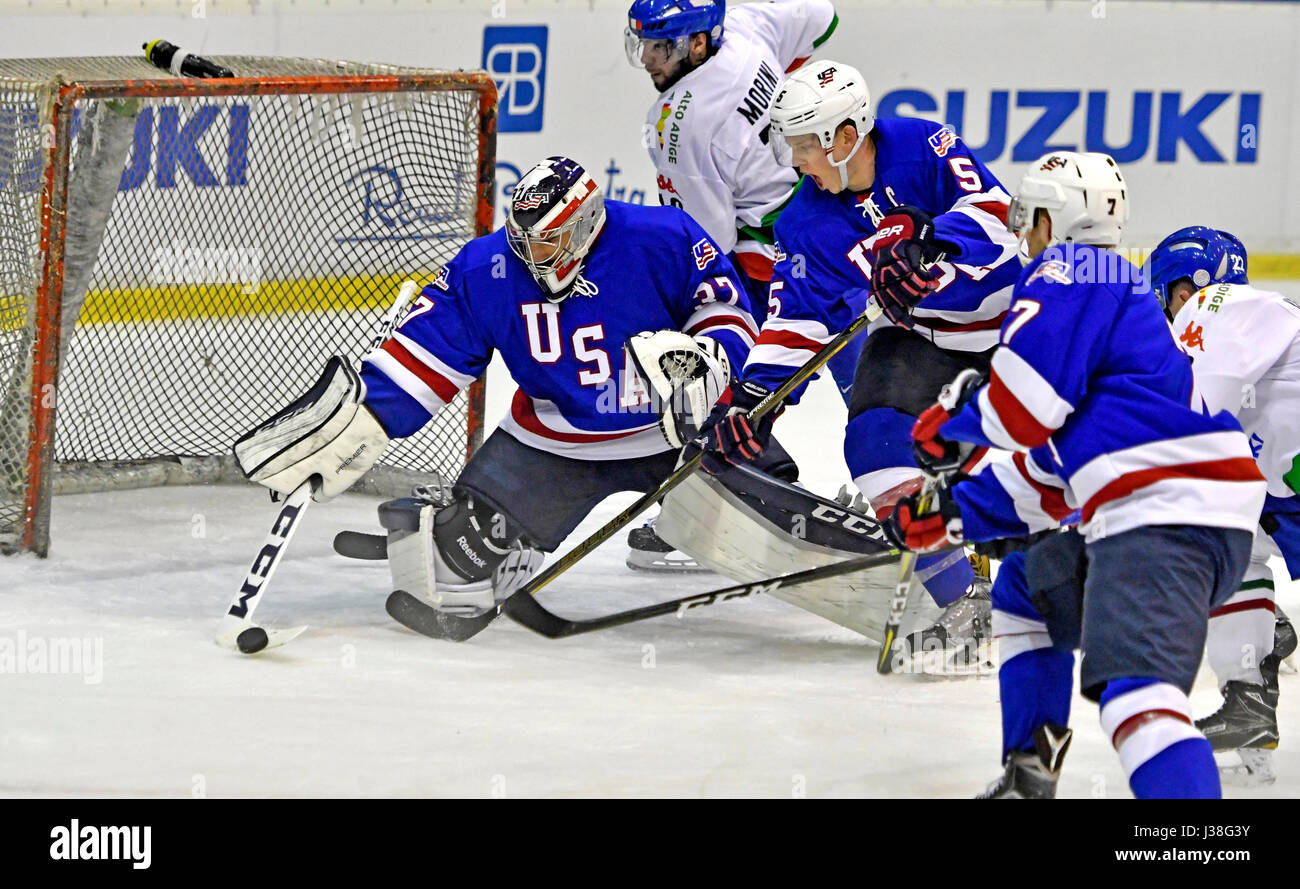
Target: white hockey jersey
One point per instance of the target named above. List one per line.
(1245, 349)
(707, 135)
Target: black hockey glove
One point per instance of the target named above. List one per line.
(904, 248)
(728, 435)
(925, 530)
(936, 455)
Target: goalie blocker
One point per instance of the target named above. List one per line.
(327, 433)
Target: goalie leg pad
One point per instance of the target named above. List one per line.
(456, 553)
(749, 526)
(327, 432)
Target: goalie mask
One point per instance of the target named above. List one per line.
(556, 212)
(1084, 194)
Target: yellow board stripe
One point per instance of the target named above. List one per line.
(194, 301)
(1273, 267)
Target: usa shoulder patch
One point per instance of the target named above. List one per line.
(1052, 270)
(943, 140)
(441, 281)
(704, 253)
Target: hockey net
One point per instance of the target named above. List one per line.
(179, 258)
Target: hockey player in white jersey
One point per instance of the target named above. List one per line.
(716, 71)
(1244, 344)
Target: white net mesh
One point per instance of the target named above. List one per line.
(219, 249)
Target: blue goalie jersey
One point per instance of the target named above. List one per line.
(822, 276)
(651, 268)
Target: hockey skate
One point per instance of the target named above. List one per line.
(647, 551)
(1032, 774)
(1284, 640)
(1246, 723)
(960, 642)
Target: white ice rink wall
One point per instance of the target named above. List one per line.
(1199, 101)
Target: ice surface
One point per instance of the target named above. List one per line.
(750, 698)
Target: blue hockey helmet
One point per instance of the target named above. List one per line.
(666, 26)
(1198, 253)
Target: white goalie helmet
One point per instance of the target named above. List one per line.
(1084, 194)
(816, 99)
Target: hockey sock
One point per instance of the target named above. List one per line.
(878, 452)
(1241, 629)
(1036, 687)
(1150, 725)
(1035, 679)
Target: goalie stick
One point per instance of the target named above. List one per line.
(526, 610)
(426, 619)
(237, 631)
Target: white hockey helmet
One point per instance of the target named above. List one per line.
(1084, 194)
(816, 99)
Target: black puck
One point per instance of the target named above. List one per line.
(252, 640)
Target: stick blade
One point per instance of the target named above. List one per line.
(359, 545)
(415, 615)
(231, 632)
(527, 611)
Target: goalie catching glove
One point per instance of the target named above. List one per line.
(929, 528)
(936, 455)
(327, 433)
(686, 374)
(901, 276)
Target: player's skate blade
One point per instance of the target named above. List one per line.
(1255, 769)
(647, 551)
(415, 615)
(960, 643)
(359, 545)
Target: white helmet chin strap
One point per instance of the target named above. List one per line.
(843, 166)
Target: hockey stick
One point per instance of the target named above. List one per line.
(436, 624)
(898, 602)
(237, 630)
(529, 612)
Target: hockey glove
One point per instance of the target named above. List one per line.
(728, 434)
(938, 526)
(328, 433)
(936, 455)
(687, 376)
(900, 273)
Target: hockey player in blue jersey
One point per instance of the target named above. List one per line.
(571, 291)
(865, 181)
(1244, 343)
(1090, 391)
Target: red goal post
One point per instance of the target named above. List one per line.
(178, 257)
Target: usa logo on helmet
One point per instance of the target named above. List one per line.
(531, 201)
